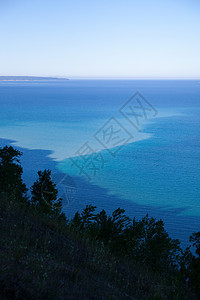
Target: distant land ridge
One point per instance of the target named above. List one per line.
(29, 78)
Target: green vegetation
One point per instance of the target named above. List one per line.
(92, 256)
(10, 174)
(44, 196)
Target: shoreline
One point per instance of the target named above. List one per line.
(30, 78)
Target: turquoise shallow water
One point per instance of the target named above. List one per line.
(160, 171)
(157, 167)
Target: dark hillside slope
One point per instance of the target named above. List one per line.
(40, 259)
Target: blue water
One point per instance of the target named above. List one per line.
(154, 170)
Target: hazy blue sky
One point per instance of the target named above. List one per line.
(104, 38)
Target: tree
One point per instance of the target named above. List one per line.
(194, 265)
(11, 174)
(111, 229)
(87, 217)
(154, 246)
(195, 239)
(44, 195)
(145, 240)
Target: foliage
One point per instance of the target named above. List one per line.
(11, 174)
(145, 240)
(190, 264)
(44, 195)
(41, 259)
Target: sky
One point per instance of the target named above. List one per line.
(100, 38)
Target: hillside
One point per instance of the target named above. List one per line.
(41, 260)
(93, 256)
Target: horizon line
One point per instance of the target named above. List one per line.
(104, 78)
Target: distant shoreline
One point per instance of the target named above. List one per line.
(30, 78)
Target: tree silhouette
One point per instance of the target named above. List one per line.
(11, 174)
(44, 195)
